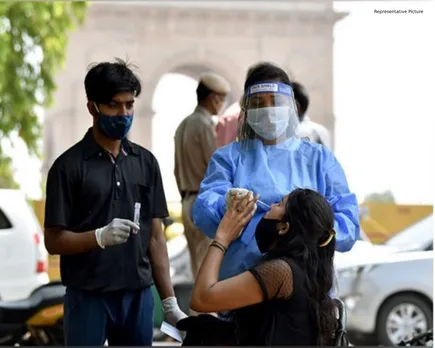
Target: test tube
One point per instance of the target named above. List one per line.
(263, 205)
(136, 214)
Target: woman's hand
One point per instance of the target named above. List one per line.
(236, 192)
(237, 216)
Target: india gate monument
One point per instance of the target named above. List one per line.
(190, 37)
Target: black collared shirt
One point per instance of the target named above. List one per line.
(86, 189)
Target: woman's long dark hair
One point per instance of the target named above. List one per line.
(311, 221)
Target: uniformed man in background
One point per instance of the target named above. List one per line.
(228, 125)
(195, 142)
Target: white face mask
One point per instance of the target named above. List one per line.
(270, 122)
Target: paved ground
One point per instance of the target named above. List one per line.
(161, 343)
(166, 344)
(354, 340)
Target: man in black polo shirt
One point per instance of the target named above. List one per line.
(104, 205)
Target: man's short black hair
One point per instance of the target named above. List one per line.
(104, 80)
(301, 96)
(202, 92)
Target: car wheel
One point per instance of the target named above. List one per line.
(401, 317)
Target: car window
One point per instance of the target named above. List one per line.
(4, 221)
(420, 233)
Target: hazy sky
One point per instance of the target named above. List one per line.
(383, 85)
(383, 106)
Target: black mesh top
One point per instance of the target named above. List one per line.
(285, 317)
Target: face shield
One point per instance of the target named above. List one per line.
(269, 112)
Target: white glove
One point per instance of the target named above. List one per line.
(240, 193)
(117, 232)
(171, 312)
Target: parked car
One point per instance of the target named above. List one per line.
(359, 252)
(389, 295)
(418, 236)
(23, 257)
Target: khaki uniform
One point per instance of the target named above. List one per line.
(195, 142)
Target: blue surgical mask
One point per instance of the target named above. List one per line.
(114, 127)
(270, 122)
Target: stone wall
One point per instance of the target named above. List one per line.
(169, 38)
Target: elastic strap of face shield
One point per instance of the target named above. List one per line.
(269, 87)
(266, 87)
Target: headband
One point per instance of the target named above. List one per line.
(269, 87)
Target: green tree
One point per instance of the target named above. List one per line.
(6, 173)
(380, 197)
(33, 41)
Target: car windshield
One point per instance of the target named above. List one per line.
(420, 233)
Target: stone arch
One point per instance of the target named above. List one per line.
(185, 38)
(192, 63)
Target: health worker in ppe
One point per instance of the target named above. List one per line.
(270, 160)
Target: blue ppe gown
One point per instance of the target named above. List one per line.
(272, 171)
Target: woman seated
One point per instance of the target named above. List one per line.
(284, 299)
(271, 160)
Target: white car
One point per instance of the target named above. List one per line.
(417, 237)
(361, 250)
(389, 295)
(23, 257)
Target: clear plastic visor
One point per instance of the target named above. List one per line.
(270, 112)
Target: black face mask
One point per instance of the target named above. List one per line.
(266, 234)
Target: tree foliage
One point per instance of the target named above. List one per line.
(6, 173)
(33, 41)
(380, 197)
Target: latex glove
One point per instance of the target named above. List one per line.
(117, 232)
(239, 193)
(171, 312)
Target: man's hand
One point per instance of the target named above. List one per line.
(117, 232)
(172, 313)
